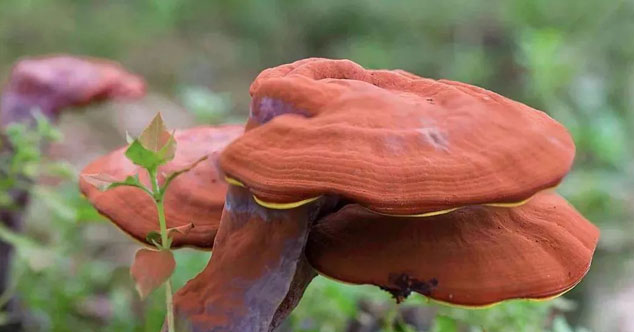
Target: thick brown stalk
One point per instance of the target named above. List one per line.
(256, 262)
(303, 276)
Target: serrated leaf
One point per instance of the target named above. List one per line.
(150, 269)
(155, 136)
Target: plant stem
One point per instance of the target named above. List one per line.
(163, 224)
(158, 199)
(169, 302)
(160, 208)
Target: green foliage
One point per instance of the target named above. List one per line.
(328, 306)
(74, 281)
(153, 268)
(206, 105)
(88, 293)
(147, 158)
(20, 158)
(444, 324)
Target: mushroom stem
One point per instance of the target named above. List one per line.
(256, 256)
(303, 276)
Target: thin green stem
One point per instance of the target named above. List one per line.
(154, 179)
(169, 302)
(160, 208)
(158, 199)
(163, 224)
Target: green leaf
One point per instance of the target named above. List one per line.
(154, 237)
(104, 182)
(155, 147)
(143, 157)
(129, 181)
(156, 138)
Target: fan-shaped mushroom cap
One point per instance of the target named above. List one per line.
(474, 256)
(391, 141)
(197, 196)
(53, 83)
(77, 80)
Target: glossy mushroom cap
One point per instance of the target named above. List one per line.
(55, 82)
(196, 196)
(473, 256)
(391, 141)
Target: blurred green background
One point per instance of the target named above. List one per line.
(572, 59)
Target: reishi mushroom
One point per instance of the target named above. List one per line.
(345, 153)
(195, 197)
(475, 256)
(52, 83)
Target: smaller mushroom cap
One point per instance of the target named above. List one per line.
(196, 196)
(75, 80)
(53, 83)
(474, 256)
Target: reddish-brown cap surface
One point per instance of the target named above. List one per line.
(473, 256)
(392, 141)
(74, 80)
(52, 83)
(196, 196)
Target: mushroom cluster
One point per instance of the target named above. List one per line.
(380, 177)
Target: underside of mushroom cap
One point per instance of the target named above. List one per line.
(196, 196)
(474, 256)
(392, 141)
